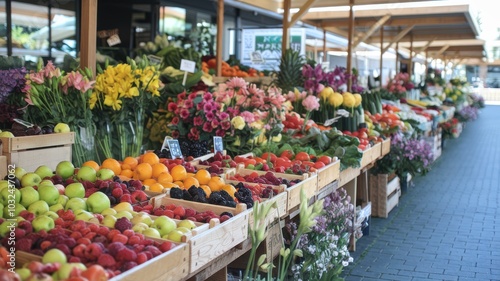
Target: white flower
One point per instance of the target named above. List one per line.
(344, 263)
(351, 259)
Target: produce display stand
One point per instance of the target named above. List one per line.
(385, 191)
(30, 152)
(3, 166)
(328, 174)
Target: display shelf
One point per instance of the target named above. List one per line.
(385, 147)
(371, 155)
(328, 174)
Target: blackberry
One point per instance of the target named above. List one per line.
(176, 193)
(226, 214)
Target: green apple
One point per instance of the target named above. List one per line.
(49, 194)
(10, 194)
(98, 202)
(28, 196)
(63, 199)
(105, 174)
(42, 222)
(1, 210)
(61, 128)
(3, 184)
(109, 221)
(164, 225)
(44, 171)
(76, 204)
(65, 169)
(140, 227)
(108, 211)
(65, 269)
(19, 172)
(6, 134)
(174, 235)
(52, 214)
(46, 182)
(30, 179)
(75, 189)
(152, 232)
(39, 207)
(54, 255)
(56, 207)
(83, 215)
(24, 273)
(189, 224)
(123, 206)
(183, 229)
(142, 218)
(125, 214)
(8, 213)
(86, 173)
(6, 227)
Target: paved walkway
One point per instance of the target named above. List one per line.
(447, 227)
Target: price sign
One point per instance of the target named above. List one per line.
(155, 59)
(188, 65)
(165, 142)
(330, 121)
(175, 149)
(218, 145)
(114, 40)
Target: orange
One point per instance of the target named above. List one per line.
(113, 165)
(126, 167)
(92, 164)
(178, 173)
(180, 184)
(169, 185)
(131, 162)
(158, 169)
(151, 158)
(149, 182)
(207, 190)
(216, 183)
(190, 174)
(143, 171)
(203, 176)
(190, 181)
(156, 187)
(164, 178)
(229, 189)
(127, 173)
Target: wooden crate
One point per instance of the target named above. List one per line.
(386, 147)
(328, 189)
(348, 175)
(29, 152)
(371, 155)
(310, 186)
(384, 194)
(435, 142)
(328, 174)
(217, 240)
(169, 266)
(3, 166)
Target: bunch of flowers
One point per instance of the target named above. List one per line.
(450, 128)
(325, 248)
(122, 96)
(400, 84)
(408, 155)
(12, 81)
(455, 95)
(476, 100)
(55, 97)
(467, 113)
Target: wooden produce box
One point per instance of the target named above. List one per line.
(214, 242)
(328, 174)
(30, 152)
(435, 142)
(348, 175)
(3, 166)
(327, 190)
(371, 155)
(386, 147)
(384, 194)
(169, 266)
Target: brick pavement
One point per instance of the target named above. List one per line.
(447, 226)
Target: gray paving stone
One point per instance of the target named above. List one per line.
(446, 226)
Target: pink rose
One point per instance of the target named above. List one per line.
(175, 120)
(198, 121)
(192, 96)
(248, 116)
(184, 113)
(207, 127)
(209, 115)
(215, 123)
(225, 125)
(172, 107)
(220, 132)
(175, 134)
(188, 103)
(311, 103)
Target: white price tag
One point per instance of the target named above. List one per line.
(175, 149)
(165, 142)
(114, 40)
(330, 121)
(155, 59)
(343, 112)
(218, 145)
(188, 65)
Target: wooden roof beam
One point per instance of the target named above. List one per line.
(303, 10)
(425, 37)
(398, 37)
(398, 21)
(442, 50)
(375, 27)
(427, 45)
(337, 31)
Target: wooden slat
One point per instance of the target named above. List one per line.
(88, 36)
(303, 10)
(398, 37)
(286, 24)
(372, 30)
(220, 32)
(38, 141)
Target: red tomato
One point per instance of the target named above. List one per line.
(325, 159)
(239, 159)
(302, 156)
(260, 160)
(287, 154)
(250, 161)
(319, 165)
(272, 156)
(282, 162)
(362, 146)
